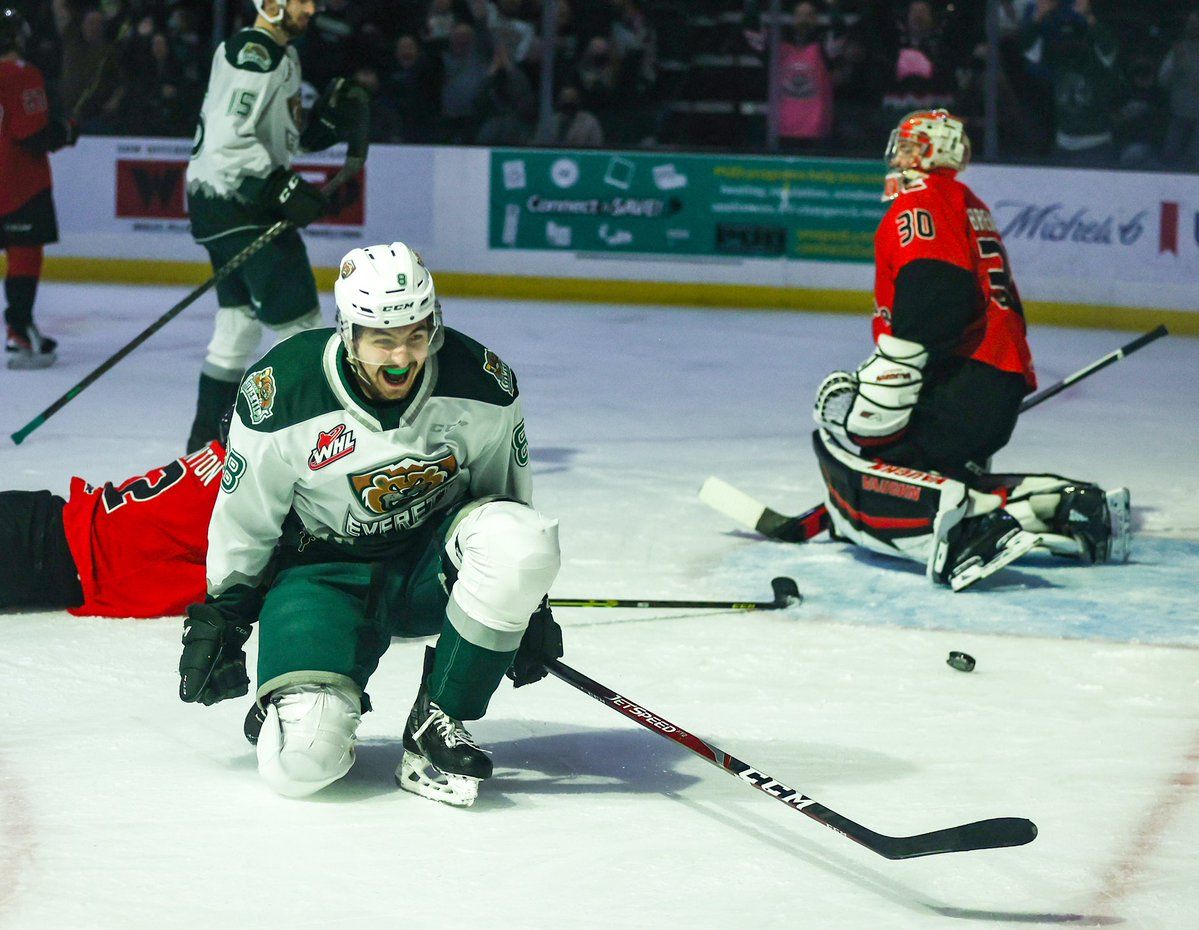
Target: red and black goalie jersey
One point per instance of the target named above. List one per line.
(936, 218)
(24, 112)
(140, 546)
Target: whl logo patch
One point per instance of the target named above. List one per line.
(331, 446)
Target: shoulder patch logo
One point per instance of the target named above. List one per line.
(331, 446)
(254, 54)
(347, 268)
(520, 444)
(259, 391)
(34, 101)
(494, 366)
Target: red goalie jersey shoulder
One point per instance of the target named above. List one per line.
(24, 111)
(140, 545)
(940, 218)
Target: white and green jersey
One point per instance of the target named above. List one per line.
(251, 118)
(304, 447)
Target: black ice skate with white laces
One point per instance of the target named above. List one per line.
(981, 546)
(26, 348)
(442, 761)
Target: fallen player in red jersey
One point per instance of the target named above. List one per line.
(133, 549)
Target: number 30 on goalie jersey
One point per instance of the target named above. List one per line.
(940, 219)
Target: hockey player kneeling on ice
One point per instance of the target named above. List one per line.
(376, 485)
(906, 439)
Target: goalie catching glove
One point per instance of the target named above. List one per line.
(213, 664)
(874, 405)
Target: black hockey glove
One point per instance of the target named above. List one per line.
(292, 198)
(341, 114)
(542, 640)
(213, 664)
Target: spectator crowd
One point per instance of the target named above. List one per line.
(1080, 82)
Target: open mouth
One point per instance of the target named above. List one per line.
(396, 377)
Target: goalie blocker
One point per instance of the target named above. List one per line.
(962, 534)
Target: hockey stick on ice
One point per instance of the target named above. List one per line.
(351, 167)
(982, 834)
(786, 594)
(741, 508)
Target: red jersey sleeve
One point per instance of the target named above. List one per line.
(24, 111)
(140, 545)
(23, 96)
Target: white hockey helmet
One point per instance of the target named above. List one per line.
(940, 136)
(383, 287)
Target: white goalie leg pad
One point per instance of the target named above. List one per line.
(310, 320)
(507, 557)
(1119, 507)
(235, 337)
(307, 739)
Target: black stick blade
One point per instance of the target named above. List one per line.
(786, 592)
(982, 834)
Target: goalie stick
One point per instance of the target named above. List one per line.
(981, 834)
(786, 594)
(741, 508)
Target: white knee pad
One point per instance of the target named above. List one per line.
(310, 320)
(507, 557)
(307, 739)
(235, 338)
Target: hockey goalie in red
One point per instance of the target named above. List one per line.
(134, 549)
(940, 394)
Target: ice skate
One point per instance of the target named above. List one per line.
(442, 761)
(28, 349)
(981, 546)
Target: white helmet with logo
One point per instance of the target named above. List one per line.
(383, 287)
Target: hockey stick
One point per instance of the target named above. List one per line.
(89, 91)
(351, 167)
(982, 834)
(786, 594)
(741, 508)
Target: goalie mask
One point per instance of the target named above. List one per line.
(925, 141)
(384, 287)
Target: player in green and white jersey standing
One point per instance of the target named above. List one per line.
(240, 182)
(376, 485)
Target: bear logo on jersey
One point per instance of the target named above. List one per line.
(259, 392)
(494, 366)
(401, 493)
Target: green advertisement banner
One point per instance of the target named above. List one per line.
(800, 208)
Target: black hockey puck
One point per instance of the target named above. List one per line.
(961, 661)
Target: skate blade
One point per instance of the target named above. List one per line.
(27, 361)
(975, 570)
(418, 775)
(1119, 508)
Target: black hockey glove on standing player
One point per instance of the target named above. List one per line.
(291, 198)
(542, 641)
(213, 664)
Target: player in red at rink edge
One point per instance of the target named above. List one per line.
(133, 549)
(905, 441)
(27, 220)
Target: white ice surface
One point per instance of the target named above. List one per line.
(121, 807)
